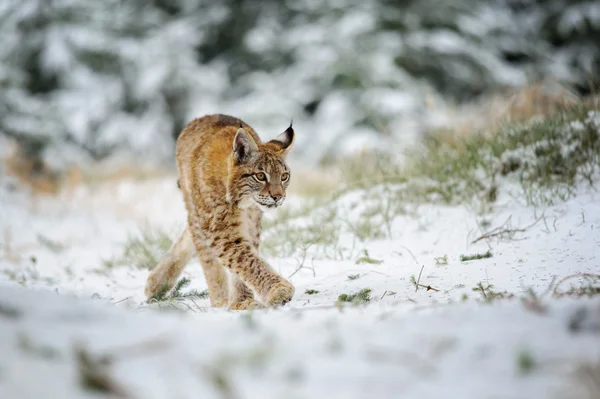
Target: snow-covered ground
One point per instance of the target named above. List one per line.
(77, 318)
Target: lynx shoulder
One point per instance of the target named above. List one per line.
(228, 178)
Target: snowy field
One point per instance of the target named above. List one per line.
(397, 296)
(495, 327)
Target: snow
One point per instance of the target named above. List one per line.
(373, 352)
(405, 343)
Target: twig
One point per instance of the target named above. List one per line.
(428, 287)
(383, 274)
(499, 231)
(547, 231)
(301, 264)
(122, 300)
(385, 292)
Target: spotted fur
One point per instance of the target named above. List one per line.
(228, 177)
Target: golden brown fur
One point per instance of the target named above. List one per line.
(227, 177)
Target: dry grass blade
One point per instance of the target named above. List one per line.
(417, 282)
(592, 278)
(419, 279)
(411, 254)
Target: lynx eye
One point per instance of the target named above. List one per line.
(260, 176)
(285, 176)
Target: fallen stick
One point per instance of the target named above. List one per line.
(499, 231)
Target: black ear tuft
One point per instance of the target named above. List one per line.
(285, 140)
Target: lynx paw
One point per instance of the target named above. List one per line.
(280, 294)
(156, 281)
(248, 304)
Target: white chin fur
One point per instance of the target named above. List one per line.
(265, 208)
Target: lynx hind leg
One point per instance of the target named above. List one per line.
(170, 267)
(240, 296)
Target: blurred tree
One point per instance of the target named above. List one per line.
(88, 79)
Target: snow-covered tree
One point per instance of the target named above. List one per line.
(87, 79)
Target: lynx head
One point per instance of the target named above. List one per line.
(258, 173)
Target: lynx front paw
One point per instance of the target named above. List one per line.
(156, 281)
(279, 294)
(248, 304)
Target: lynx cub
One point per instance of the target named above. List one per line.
(228, 177)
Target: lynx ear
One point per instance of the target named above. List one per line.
(244, 146)
(285, 140)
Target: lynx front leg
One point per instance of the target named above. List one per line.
(240, 296)
(242, 259)
(166, 273)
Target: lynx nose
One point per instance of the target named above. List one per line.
(276, 197)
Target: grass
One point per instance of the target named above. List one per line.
(588, 286)
(441, 260)
(366, 259)
(525, 362)
(544, 157)
(584, 291)
(311, 292)
(354, 276)
(360, 297)
(315, 226)
(477, 256)
(143, 251)
(365, 229)
(489, 294)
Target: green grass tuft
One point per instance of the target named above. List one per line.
(485, 255)
(525, 363)
(311, 292)
(441, 260)
(367, 259)
(360, 297)
(489, 294)
(163, 294)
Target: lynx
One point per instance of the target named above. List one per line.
(228, 177)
